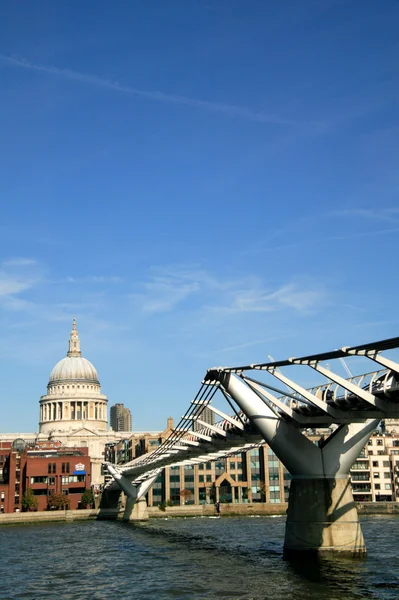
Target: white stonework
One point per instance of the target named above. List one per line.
(74, 398)
(74, 412)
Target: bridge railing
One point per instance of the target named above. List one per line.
(375, 382)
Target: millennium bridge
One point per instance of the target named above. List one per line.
(321, 516)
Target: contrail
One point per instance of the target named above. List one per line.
(94, 80)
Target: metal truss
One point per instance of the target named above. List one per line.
(336, 402)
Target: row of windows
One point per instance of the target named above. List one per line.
(218, 466)
(51, 480)
(84, 387)
(73, 478)
(387, 475)
(52, 467)
(42, 479)
(379, 442)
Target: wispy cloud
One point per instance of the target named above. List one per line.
(380, 214)
(168, 289)
(257, 299)
(299, 235)
(93, 80)
(19, 262)
(16, 276)
(245, 345)
(164, 293)
(95, 279)
(9, 284)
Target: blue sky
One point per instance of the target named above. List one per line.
(197, 182)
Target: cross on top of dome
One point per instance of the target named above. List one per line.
(74, 341)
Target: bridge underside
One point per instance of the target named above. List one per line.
(322, 516)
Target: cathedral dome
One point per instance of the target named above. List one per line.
(74, 400)
(74, 367)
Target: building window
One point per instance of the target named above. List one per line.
(375, 463)
(54, 468)
(49, 468)
(387, 486)
(201, 478)
(376, 475)
(387, 476)
(377, 486)
(385, 463)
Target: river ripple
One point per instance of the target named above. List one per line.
(188, 558)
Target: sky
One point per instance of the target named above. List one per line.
(200, 183)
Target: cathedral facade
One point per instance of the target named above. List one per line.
(74, 411)
(74, 399)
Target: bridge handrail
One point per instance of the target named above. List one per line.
(329, 389)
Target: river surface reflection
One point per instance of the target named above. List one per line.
(188, 558)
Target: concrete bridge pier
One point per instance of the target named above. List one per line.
(136, 504)
(322, 516)
(135, 510)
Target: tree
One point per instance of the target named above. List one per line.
(263, 489)
(185, 494)
(57, 501)
(87, 497)
(29, 500)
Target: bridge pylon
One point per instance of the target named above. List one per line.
(322, 515)
(136, 504)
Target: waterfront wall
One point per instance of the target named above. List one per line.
(57, 515)
(199, 510)
(193, 510)
(378, 508)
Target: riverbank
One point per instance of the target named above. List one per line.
(226, 510)
(197, 510)
(57, 515)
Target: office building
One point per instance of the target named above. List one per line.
(120, 418)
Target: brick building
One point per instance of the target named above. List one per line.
(46, 468)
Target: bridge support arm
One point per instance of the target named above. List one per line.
(136, 504)
(322, 515)
(295, 451)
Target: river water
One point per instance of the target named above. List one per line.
(188, 558)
